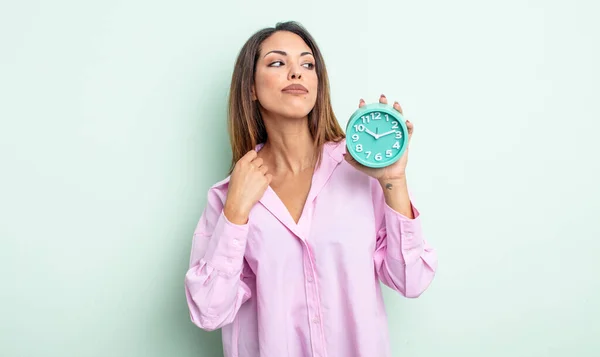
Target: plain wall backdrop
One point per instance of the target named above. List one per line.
(113, 129)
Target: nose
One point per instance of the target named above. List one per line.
(294, 73)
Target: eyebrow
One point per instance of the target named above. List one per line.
(283, 53)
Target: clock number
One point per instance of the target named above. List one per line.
(359, 127)
(388, 153)
(365, 119)
(376, 116)
(368, 154)
(359, 148)
(396, 145)
(378, 157)
(355, 137)
(387, 117)
(395, 125)
(398, 135)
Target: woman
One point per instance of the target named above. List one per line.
(289, 251)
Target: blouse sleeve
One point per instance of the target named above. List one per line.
(404, 261)
(214, 284)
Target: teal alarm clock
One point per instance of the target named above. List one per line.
(376, 135)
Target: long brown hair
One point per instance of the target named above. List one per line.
(245, 125)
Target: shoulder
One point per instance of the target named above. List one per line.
(335, 149)
(218, 191)
(223, 185)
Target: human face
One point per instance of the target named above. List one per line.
(285, 60)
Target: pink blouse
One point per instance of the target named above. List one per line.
(277, 288)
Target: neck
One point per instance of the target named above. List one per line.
(289, 146)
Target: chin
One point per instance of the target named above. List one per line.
(297, 110)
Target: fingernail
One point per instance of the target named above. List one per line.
(383, 96)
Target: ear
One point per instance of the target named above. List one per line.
(253, 90)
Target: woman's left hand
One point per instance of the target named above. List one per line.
(395, 171)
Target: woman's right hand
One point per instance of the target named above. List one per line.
(248, 182)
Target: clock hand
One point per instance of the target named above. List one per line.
(372, 134)
(387, 133)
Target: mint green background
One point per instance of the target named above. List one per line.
(112, 129)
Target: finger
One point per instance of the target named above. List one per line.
(263, 169)
(398, 107)
(249, 156)
(257, 162)
(410, 126)
(361, 103)
(347, 157)
(269, 178)
(350, 160)
(383, 99)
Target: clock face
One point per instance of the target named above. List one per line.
(376, 135)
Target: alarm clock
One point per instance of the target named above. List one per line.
(376, 135)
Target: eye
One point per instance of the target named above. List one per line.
(276, 64)
(309, 65)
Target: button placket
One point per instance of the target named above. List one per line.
(313, 305)
(314, 320)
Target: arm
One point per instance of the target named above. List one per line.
(214, 282)
(403, 259)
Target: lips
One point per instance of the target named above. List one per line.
(295, 89)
